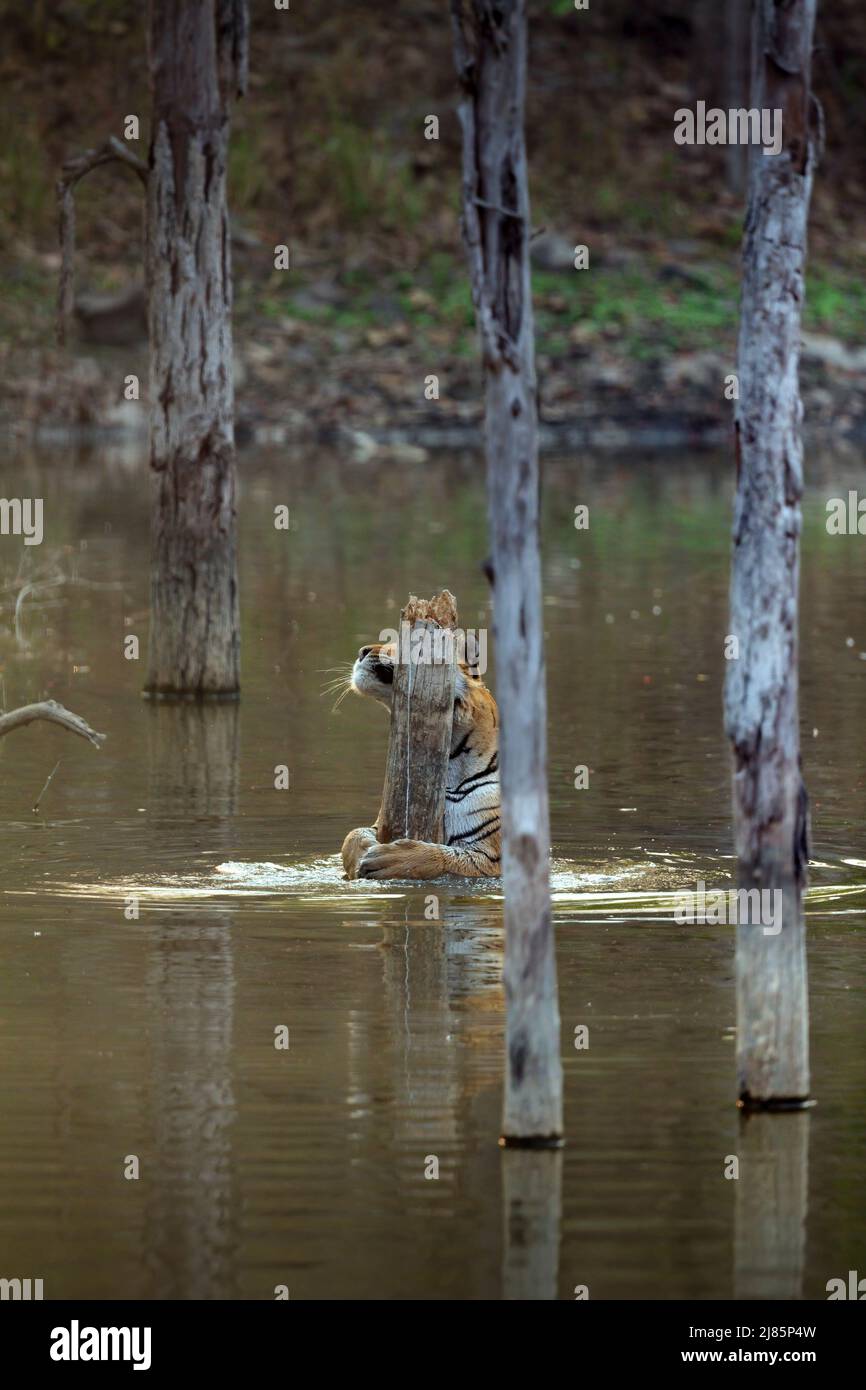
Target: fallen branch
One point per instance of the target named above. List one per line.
(74, 169)
(53, 713)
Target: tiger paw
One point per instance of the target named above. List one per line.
(355, 846)
(402, 859)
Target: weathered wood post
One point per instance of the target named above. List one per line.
(198, 52)
(490, 50)
(761, 688)
(422, 715)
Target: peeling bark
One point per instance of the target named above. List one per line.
(761, 691)
(197, 52)
(490, 50)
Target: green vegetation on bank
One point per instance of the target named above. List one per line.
(645, 311)
(648, 309)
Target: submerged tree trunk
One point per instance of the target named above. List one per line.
(761, 693)
(197, 54)
(490, 45)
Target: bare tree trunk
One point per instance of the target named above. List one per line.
(422, 718)
(736, 84)
(490, 47)
(761, 692)
(197, 54)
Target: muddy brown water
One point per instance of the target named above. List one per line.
(153, 1035)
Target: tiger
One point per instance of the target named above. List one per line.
(471, 839)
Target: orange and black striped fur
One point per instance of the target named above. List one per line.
(470, 845)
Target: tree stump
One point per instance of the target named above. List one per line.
(422, 716)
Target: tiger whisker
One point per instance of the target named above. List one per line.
(341, 698)
(337, 684)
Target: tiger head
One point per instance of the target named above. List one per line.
(474, 706)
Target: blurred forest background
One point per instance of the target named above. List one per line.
(328, 156)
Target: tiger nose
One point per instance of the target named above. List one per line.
(365, 651)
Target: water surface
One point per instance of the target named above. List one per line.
(167, 909)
